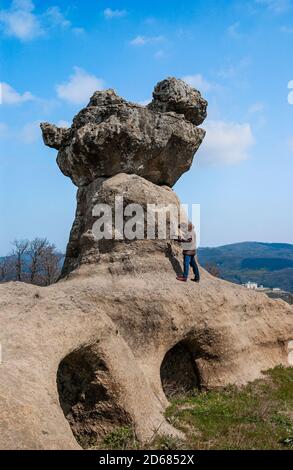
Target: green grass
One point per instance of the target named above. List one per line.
(257, 416)
(119, 438)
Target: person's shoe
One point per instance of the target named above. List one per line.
(181, 278)
(195, 280)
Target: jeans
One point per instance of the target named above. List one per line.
(189, 260)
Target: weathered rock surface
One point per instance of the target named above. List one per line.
(177, 96)
(53, 135)
(83, 248)
(112, 135)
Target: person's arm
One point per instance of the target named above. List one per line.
(184, 236)
(182, 240)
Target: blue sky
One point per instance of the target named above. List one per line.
(238, 53)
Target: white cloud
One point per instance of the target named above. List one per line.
(20, 21)
(138, 41)
(143, 40)
(23, 4)
(233, 30)
(27, 134)
(78, 31)
(145, 102)
(64, 124)
(160, 54)
(4, 131)
(258, 110)
(9, 95)
(109, 13)
(226, 143)
(231, 70)
(30, 132)
(56, 18)
(276, 6)
(257, 107)
(197, 81)
(290, 94)
(80, 86)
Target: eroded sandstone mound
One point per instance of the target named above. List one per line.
(104, 348)
(110, 342)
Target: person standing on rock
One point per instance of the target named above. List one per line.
(189, 251)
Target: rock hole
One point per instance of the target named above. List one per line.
(89, 397)
(179, 372)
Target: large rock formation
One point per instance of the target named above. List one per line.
(113, 136)
(110, 342)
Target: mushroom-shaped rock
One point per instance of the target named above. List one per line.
(108, 344)
(111, 135)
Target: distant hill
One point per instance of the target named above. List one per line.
(270, 264)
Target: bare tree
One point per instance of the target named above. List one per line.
(51, 261)
(36, 262)
(36, 250)
(2, 270)
(7, 269)
(18, 253)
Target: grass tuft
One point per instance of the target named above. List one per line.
(120, 438)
